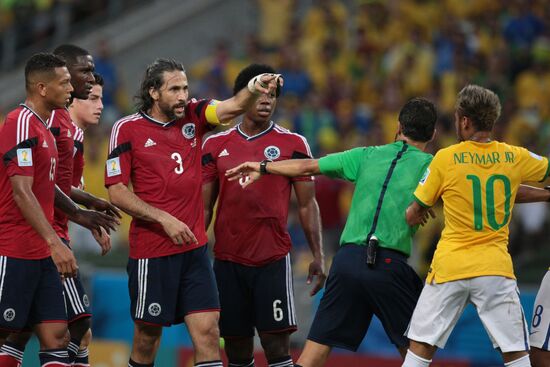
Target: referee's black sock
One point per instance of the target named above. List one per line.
(285, 361)
(132, 363)
(217, 363)
(241, 363)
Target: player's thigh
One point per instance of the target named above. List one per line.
(273, 290)
(437, 311)
(198, 292)
(235, 291)
(540, 323)
(344, 314)
(153, 285)
(498, 305)
(19, 280)
(48, 305)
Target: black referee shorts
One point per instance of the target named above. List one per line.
(354, 292)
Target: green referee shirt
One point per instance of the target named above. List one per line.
(368, 168)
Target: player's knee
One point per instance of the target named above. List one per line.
(86, 339)
(21, 338)
(79, 328)
(275, 345)
(239, 348)
(146, 338)
(57, 338)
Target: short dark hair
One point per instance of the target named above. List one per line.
(250, 72)
(98, 79)
(70, 53)
(417, 118)
(154, 78)
(480, 105)
(41, 63)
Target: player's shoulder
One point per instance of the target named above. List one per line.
(16, 115)
(125, 123)
(290, 135)
(78, 133)
(60, 117)
(218, 138)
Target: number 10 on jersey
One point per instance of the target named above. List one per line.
(490, 201)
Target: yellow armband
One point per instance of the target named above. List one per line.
(211, 114)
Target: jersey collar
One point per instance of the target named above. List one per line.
(157, 122)
(241, 132)
(38, 117)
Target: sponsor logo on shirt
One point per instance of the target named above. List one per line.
(24, 157)
(188, 130)
(425, 176)
(536, 156)
(272, 152)
(224, 153)
(113, 167)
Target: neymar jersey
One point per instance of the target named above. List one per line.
(392, 168)
(478, 183)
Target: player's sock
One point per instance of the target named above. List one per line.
(209, 364)
(135, 364)
(285, 361)
(72, 348)
(81, 359)
(412, 360)
(520, 362)
(11, 355)
(54, 357)
(242, 363)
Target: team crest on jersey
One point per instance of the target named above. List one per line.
(113, 167)
(425, 176)
(24, 157)
(9, 314)
(86, 300)
(154, 309)
(272, 152)
(188, 130)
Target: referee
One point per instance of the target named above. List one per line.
(369, 274)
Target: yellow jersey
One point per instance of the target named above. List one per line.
(478, 183)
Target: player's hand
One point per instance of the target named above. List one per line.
(178, 231)
(426, 217)
(103, 239)
(316, 268)
(94, 220)
(246, 173)
(102, 205)
(63, 259)
(266, 83)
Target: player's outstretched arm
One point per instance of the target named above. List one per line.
(310, 219)
(93, 202)
(289, 168)
(230, 108)
(91, 219)
(131, 204)
(209, 195)
(417, 214)
(33, 214)
(530, 194)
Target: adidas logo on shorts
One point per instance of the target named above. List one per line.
(149, 143)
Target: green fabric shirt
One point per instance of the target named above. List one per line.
(367, 168)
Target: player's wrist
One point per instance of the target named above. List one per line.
(263, 166)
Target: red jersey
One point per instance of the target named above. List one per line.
(251, 224)
(62, 128)
(27, 149)
(78, 157)
(163, 162)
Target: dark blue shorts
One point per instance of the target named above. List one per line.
(164, 290)
(354, 293)
(30, 293)
(255, 297)
(76, 299)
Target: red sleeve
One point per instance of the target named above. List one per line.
(119, 161)
(209, 166)
(61, 127)
(301, 151)
(18, 143)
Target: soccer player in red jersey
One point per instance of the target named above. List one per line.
(158, 150)
(31, 254)
(252, 248)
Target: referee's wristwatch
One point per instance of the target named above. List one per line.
(263, 166)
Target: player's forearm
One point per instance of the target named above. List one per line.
(65, 204)
(310, 219)
(132, 205)
(294, 167)
(235, 106)
(530, 194)
(82, 197)
(415, 213)
(34, 215)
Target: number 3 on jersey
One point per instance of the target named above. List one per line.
(179, 161)
(490, 201)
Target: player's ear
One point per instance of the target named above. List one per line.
(433, 135)
(42, 88)
(154, 93)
